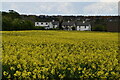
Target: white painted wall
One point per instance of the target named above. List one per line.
(78, 28)
(50, 25)
(47, 25)
(84, 28)
(55, 26)
(42, 23)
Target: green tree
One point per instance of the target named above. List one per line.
(19, 24)
(99, 27)
(13, 14)
(6, 23)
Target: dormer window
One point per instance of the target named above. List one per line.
(83, 21)
(53, 20)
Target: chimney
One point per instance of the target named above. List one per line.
(53, 20)
(83, 21)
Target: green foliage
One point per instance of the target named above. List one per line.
(39, 28)
(12, 21)
(60, 55)
(13, 14)
(54, 29)
(73, 28)
(99, 27)
(17, 24)
(6, 23)
(22, 24)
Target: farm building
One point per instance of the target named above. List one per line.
(66, 25)
(55, 24)
(83, 26)
(47, 25)
(80, 26)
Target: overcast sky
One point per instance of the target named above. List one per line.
(109, 7)
(60, 0)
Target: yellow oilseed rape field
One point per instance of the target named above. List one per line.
(37, 54)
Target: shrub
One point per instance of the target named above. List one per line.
(99, 27)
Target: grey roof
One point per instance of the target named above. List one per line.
(55, 23)
(71, 23)
(78, 23)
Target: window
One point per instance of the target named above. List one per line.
(82, 26)
(36, 23)
(87, 26)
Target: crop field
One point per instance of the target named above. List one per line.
(33, 55)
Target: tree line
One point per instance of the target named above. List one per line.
(12, 20)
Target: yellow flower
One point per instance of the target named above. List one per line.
(79, 68)
(12, 68)
(68, 69)
(18, 73)
(5, 73)
(18, 66)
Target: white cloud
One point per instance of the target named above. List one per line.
(109, 0)
(42, 7)
(66, 8)
(61, 8)
(102, 8)
(60, 0)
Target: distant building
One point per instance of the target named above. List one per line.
(78, 25)
(83, 26)
(55, 24)
(68, 25)
(46, 25)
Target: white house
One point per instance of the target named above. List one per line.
(47, 25)
(83, 26)
(55, 24)
(68, 25)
